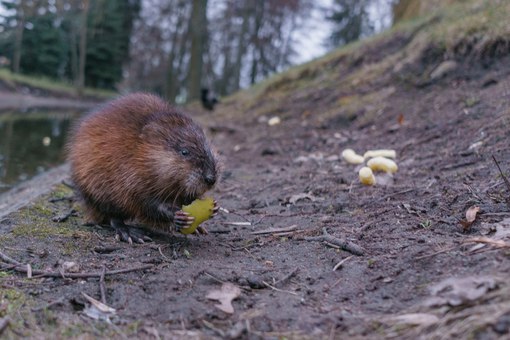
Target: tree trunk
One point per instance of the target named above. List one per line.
(241, 47)
(172, 72)
(198, 30)
(257, 45)
(83, 49)
(18, 38)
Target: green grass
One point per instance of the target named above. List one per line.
(48, 84)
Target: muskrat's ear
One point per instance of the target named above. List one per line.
(148, 130)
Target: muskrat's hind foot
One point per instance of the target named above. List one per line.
(126, 233)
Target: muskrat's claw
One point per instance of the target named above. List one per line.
(129, 234)
(182, 220)
(216, 208)
(201, 231)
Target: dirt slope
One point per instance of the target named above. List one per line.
(437, 95)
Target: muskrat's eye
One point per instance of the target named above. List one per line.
(184, 152)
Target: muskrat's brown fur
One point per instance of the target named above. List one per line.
(138, 158)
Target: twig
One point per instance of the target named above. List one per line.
(7, 259)
(214, 277)
(102, 288)
(238, 223)
(279, 290)
(286, 278)
(275, 230)
(10, 267)
(489, 241)
(4, 322)
(59, 199)
(504, 178)
(337, 242)
(339, 264)
(459, 165)
(436, 253)
(63, 217)
(396, 194)
(106, 249)
(163, 255)
(21, 268)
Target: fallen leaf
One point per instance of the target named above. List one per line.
(500, 232)
(70, 267)
(225, 295)
(274, 121)
(415, 319)
(458, 291)
(502, 229)
(297, 197)
(98, 310)
(470, 217)
(471, 213)
(489, 241)
(400, 119)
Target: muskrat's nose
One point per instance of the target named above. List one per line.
(210, 179)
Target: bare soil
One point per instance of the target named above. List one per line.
(445, 133)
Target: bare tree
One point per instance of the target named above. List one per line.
(80, 82)
(198, 33)
(177, 49)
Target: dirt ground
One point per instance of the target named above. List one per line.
(290, 175)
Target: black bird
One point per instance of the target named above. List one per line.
(209, 99)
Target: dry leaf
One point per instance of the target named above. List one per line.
(400, 119)
(294, 198)
(459, 291)
(98, 310)
(225, 296)
(415, 319)
(489, 241)
(471, 213)
(470, 217)
(274, 121)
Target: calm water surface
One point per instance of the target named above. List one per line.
(31, 143)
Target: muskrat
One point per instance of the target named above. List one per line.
(137, 158)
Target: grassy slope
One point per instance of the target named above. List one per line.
(48, 85)
(408, 52)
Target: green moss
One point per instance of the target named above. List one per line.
(132, 328)
(73, 331)
(42, 229)
(12, 299)
(61, 191)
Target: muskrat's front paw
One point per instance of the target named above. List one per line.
(182, 220)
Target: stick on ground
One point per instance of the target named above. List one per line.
(504, 179)
(337, 242)
(22, 268)
(4, 322)
(102, 288)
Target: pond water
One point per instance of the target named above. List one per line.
(31, 143)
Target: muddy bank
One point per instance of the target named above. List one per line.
(18, 101)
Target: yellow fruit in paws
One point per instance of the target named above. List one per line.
(201, 210)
